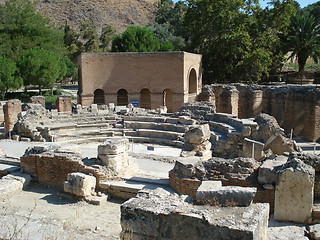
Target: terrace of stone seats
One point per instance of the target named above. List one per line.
(169, 130)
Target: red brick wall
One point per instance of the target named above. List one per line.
(52, 168)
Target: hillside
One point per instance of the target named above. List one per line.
(118, 13)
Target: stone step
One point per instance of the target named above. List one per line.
(222, 127)
(156, 126)
(164, 182)
(6, 169)
(155, 134)
(10, 161)
(161, 141)
(127, 189)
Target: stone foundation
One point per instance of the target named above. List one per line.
(161, 215)
(294, 107)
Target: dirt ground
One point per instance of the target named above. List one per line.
(45, 213)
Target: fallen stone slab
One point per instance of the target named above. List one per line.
(9, 188)
(163, 215)
(198, 134)
(25, 179)
(212, 193)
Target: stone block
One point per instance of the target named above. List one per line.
(113, 146)
(80, 184)
(25, 179)
(186, 120)
(161, 215)
(94, 108)
(116, 163)
(9, 187)
(198, 134)
(38, 100)
(15, 137)
(294, 192)
(212, 193)
(314, 231)
(268, 170)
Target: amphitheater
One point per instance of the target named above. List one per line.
(199, 173)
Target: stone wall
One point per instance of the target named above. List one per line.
(294, 107)
(51, 168)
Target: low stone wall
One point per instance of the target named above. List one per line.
(294, 107)
(52, 168)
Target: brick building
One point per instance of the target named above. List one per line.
(147, 80)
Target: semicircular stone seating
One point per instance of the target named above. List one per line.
(227, 130)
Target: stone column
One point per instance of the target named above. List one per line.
(11, 111)
(294, 193)
(229, 101)
(64, 104)
(114, 154)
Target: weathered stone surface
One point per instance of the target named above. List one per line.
(280, 144)
(38, 100)
(268, 170)
(314, 231)
(212, 193)
(309, 159)
(198, 135)
(113, 146)
(25, 179)
(9, 187)
(80, 184)
(294, 192)
(161, 215)
(197, 110)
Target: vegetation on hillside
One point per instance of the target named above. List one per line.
(239, 40)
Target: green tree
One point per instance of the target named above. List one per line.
(303, 39)
(164, 32)
(41, 67)
(22, 28)
(236, 37)
(9, 79)
(106, 36)
(89, 37)
(136, 39)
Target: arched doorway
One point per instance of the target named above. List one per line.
(193, 81)
(122, 97)
(167, 99)
(145, 98)
(98, 97)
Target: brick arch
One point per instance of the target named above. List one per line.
(122, 97)
(193, 81)
(98, 96)
(145, 98)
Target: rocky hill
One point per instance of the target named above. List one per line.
(118, 13)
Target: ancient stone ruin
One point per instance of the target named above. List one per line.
(231, 174)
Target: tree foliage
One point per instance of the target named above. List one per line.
(139, 39)
(303, 39)
(22, 28)
(32, 45)
(238, 40)
(9, 79)
(41, 67)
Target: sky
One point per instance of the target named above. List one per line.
(302, 3)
